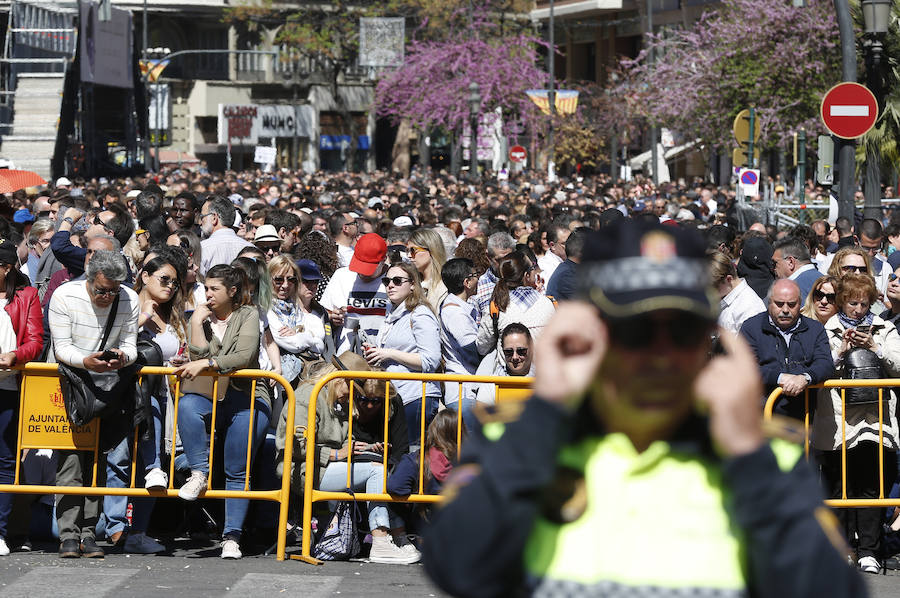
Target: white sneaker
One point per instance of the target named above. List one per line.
(156, 479)
(231, 549)
(385, 551)
(869, 564)
(4, 549)
(194, 487)
(406, 545)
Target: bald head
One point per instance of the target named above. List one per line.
(758, 226)
(785, 303)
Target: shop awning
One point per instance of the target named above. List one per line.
(335, 142)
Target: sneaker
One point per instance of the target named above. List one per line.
(156, 479)
(90, 550)
(231, 549)
(385, 551)
(869, 564)
(4, 549)
(407, 545)
(194, 487)
(141, 543)
(68, 549)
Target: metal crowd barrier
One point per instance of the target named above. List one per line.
(508, 388)
(844, 384)
(43, 424)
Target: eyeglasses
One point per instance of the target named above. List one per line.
(280, 280)
(520, 351)
(685, 331)
(414, 249)
(395, 280)
(857, 269)
(105, 292)
(819, 295)
(166, 281)
(892, 277)
(43, 213)
(872, 250)
(365, 399)
(473, 275)
(202, 216)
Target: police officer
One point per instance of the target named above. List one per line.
(640, 467)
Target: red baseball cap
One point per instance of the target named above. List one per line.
(369, 252)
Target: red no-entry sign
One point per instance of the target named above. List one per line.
(517, 153)
(849, 110)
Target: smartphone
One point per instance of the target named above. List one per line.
(109, 355)
(863, 328)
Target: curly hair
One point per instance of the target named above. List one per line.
(321, 249)
(474, 250)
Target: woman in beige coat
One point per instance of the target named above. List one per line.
(856, 327)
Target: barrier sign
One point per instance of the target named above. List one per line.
(44, 423)
(749, 181)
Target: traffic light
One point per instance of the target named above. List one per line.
(743, 122)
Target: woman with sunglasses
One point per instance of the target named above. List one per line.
(820, 304)
(513, 300)
(22, 333)
(409, 341)
(427, 253)
(892, 313)
(854, 415)
(296, 320)
(224, 335)
(194, 293)
(160, 292)
(850, 260)
(333, 447)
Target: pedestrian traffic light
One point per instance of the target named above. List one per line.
(739, 156)
(825, 164)
(743, 123)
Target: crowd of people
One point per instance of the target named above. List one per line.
(305, 274)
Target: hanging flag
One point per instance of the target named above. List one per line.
(566, 100)
(154, 67)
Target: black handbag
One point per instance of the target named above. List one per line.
(862, 364)
(88, 394)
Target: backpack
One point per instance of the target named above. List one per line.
(340, 540)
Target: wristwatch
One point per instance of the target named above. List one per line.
(212, 364)
(69, 220)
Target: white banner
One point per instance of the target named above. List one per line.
(249, 122)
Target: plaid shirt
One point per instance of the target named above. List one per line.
(482, 297)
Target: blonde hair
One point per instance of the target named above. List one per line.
(809, 307)
(720, 267)
(280, 263)
(835, 268)
(416, 295)
(354, 363)
(430, 240)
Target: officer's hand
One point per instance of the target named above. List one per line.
(730, 387)
(568, 353)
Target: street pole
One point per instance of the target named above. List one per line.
(654, 170)
(551, 97)
(751, 159)
(876, 25)
(145, 43)
(474, 108)
(801, 167)
(846, 147)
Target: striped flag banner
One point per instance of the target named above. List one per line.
(566, 100)
(153, 67)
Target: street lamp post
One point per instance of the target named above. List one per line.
(474, 110)
(876, 14)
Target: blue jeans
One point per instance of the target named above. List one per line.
(368, 477)
(118, 475)
(468, 407)
(413, 413)
(232, 422)
(9, 434)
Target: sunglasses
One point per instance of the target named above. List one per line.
(857, 269)
(105, 292)
(819, 295)
(892, 277)
(520, 351)
(414, 249)
(267, 247)
(686, 331)
(365, 399)
(280, 280)
(165, 281)
(395, 280)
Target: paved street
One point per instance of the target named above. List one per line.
(196, 572)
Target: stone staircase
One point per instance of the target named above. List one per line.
(30, 140)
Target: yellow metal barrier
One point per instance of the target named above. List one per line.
(43, 424)
(510, 388)
(843, 384)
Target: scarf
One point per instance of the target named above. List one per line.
(848, 322)
(288, 313)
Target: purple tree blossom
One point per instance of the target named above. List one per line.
(431, 89)
(761, 53)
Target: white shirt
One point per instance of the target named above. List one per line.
(739, 305)
(548, 263)
(367, 300)
(220, 248)
(344, 254)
